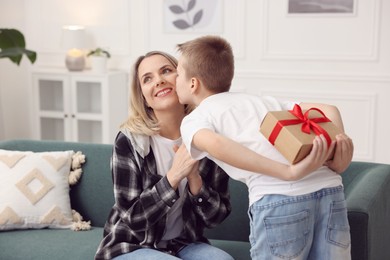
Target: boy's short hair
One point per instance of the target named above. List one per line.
(210, 59)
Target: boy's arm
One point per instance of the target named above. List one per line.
(237, 155)
(331, 112)
(344, 145)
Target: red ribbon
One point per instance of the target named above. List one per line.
(308, 124)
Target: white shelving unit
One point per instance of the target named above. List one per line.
(79, 106)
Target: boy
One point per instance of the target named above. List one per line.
(293, 214)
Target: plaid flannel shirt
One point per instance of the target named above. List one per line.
(143, 198)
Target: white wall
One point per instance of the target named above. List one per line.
(340, 59)
(15, 100)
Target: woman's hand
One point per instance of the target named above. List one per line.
(183, 166)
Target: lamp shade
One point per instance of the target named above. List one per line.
(73, 40)
(73, 36)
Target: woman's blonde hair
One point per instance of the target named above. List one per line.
(142, 119)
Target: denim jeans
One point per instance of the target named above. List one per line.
(312, 226)
(194, 251)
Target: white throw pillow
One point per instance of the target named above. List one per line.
(34, 190)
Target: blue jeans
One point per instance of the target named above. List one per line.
(312, 226)
(194, 251)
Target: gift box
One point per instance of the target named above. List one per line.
(292, 131)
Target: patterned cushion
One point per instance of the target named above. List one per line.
(34, 190)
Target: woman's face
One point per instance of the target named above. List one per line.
(157, 77)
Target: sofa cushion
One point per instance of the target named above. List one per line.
(34, 189)
(238, 219)
(56, 244)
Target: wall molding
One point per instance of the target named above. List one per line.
(325, 76)
(372, 53)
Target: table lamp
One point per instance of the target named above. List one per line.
(73, 39)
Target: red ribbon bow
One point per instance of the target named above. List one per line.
(308, 124)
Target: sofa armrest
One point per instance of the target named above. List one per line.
(367, 190)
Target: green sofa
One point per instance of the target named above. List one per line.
(367, 188)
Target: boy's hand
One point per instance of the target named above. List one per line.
(343, 154)
(316, 158)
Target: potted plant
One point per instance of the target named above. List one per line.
(13, 46)
(99, 58)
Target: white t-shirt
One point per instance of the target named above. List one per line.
(163, 153)
(238, 116)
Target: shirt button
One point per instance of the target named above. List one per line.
(200, 200)
(174, 200)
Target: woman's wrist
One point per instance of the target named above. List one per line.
(173, 180)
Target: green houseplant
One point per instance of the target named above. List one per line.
(99, 52)
(99, 58)
(13, 46)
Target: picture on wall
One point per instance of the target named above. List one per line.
(193, 16)
(320, 6)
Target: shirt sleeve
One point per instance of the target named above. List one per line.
(190, 125)
(212, 204)
(274, 104)
(288, 105)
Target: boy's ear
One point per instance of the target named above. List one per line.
(195, 85)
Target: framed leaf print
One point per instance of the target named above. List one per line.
(193, 16)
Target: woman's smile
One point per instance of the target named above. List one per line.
(163, 92)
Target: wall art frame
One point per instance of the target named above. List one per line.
(321, 6)
(202, 16)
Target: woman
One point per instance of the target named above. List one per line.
(163, 198)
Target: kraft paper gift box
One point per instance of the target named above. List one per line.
(292, 131)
